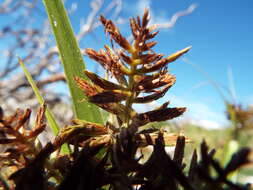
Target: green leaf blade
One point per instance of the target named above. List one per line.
(71, 58)
(50, 118)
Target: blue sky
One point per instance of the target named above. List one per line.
(220, 32)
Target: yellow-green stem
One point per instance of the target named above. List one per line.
(131, 83)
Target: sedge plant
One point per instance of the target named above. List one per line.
(104, 155)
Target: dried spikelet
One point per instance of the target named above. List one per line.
(79, 131)
(105, 84)
(150, 82)
(156, 115)
(88, 89)
(157, 95)
(163, 62)
(109, 97)
(114, 33)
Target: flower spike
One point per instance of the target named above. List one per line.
(141, 75)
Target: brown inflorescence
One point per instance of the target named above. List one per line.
(138, 71)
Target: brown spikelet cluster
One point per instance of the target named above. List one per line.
(141, 75)
(22, 149)
(19, 138)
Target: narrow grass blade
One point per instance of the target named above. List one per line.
(71, 58)
(50, 118)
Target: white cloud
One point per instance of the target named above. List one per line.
(206, 123)
(163, 20)
(200, 113)
(142, 4)
(249, 100)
